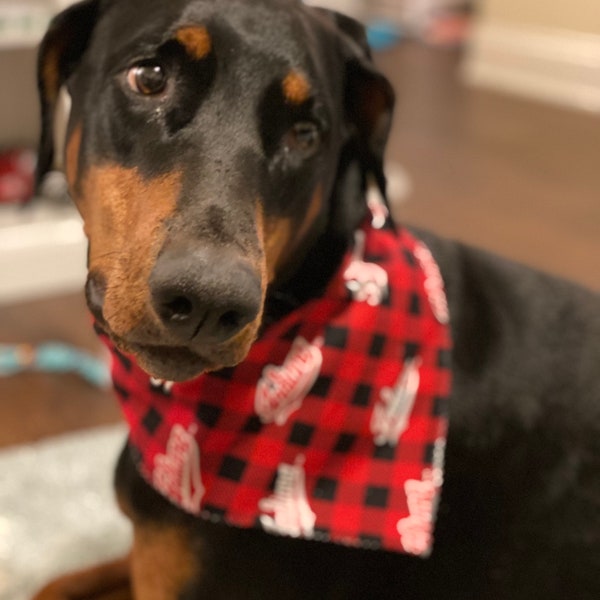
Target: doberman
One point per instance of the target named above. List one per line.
(220, 152)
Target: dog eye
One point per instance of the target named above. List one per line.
(304, 138)
(148, 79)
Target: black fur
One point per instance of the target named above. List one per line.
(520, 511)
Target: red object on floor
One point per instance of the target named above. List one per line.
(17, 175)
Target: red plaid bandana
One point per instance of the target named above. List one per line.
(334, 426)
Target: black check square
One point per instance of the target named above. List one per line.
(362, 395)
(386, 300)
(429, 454)
(301, 434)
(322, 386)
(225, 374)
(321, 534)
(123, 360)
(336, 337)
(377, 345)
(253, 425)
(121, 391)
(444, 359)
(386, 452)
(411, 350)
(409, 257)
(375, 258)
(371, 542)
(152, 421)
(216, 512)
(232, 468)
(377, 496)
(208, 414)
(325, 488)
(292, 333)
(344, 443)
(414, 304)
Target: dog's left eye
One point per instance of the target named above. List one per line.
(304, 138)
(148, 79)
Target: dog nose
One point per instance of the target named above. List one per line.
(206, 295)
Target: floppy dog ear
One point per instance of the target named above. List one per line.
(60, 51)
(369, 108)
(368, 99)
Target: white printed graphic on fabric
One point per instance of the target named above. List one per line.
(434, 284)
(391, 416)
(281, 390)
(367, 282)
(177, 473)
(379, 211)
(291, 512)
(416, 530)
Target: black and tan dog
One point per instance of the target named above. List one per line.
(219, 152)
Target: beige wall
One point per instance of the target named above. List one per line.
(19, 111)
(577, 15)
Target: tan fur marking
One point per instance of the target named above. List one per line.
(124, 216)
(278, 242)
(108, 580)
(296, 88)
(162, 562)
(282, 236)
(195, 40)
(72, 158)
(314, 208)
(272, 239)
(50, 72)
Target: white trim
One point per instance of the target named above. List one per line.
(554, 65)
(42, 252)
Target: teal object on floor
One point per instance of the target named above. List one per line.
(53, 357)
(382, 34)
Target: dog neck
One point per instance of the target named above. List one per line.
(324, 248)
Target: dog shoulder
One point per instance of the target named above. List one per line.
(515, 322)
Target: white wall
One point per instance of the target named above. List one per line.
(544, 50)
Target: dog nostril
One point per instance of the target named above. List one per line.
(178, 309)
(230, 320)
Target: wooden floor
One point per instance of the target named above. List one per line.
(517, 177)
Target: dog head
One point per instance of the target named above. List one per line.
(209, 143)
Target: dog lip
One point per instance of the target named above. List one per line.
(174, 363)
(163, 361)
(183, 352)
(171, 362)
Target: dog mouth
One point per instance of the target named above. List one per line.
(171, 363)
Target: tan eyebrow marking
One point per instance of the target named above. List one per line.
(196, 41)
(296, 88)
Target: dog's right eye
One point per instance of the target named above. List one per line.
(148, 79)
(304, 138)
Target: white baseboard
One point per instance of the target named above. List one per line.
(42, 252)
(553, 65)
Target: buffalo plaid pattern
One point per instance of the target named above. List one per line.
(322, 468)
